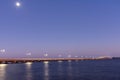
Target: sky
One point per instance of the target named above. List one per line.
(60, 27)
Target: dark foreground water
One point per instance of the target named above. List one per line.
(75, 70)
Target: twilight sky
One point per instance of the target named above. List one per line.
(76, 27)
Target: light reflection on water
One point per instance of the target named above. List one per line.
(28, 71)
(70, 70)
(60, 61)
(28, 64)
(2, 71)
(46, 70)
(60, 68)
(80, 70)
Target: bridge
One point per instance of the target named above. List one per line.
(24, 60)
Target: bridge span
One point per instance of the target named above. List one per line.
(24, 60)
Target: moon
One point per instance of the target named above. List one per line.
(18, 4)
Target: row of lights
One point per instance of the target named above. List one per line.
(60, 56)
(46, 55)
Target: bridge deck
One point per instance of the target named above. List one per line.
(23, 60)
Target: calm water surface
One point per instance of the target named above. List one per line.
(75, 70)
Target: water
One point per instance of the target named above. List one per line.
(74, 70)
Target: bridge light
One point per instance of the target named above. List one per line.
(59, 55)
(69, 56)
(45, 55)
(2, 50)
(76, 56)
(29, 54)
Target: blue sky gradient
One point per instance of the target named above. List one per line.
(76, 27)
